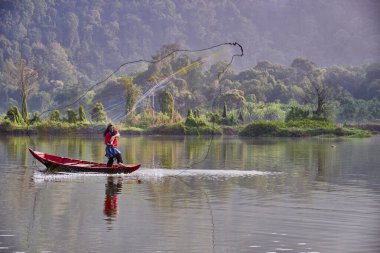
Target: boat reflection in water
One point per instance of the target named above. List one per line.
(113, 188)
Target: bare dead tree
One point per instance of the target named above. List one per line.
(25, 79)
(318, 93)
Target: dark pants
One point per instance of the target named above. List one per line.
(118, 158)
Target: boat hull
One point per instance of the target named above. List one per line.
(55, 163)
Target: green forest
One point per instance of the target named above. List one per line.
(65, 61)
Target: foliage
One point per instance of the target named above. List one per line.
(72, 117)
(190, 113)
(262, 129)
(265, 112)
(317, 92)
(213, 117)
(54, 115)
(308, 123)
(358, 110)
(146, 119)
(166, 101)
(203, 130)
(13, 114)
(35, 118)
(182, 129)
(6, 125)
(224, 114)
(82, 114)
(87, 42)
(60, 127)
(241, 117)
(233, 98)
(132, 91)
(170, 129)
(300, 128)
(192, 121)
(24, 78)
(352, 132)
(296, 113)
(230, 120)
(98, 114)
(303, 65)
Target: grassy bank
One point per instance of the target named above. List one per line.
(62, 128)
(50, 127)
(301, 128)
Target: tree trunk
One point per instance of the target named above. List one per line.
(24, 110)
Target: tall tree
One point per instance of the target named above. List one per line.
(98, 114)
(25, 79)
(82, 114)
(72, 117)
(166, 102)
(318, 93)
(132, 92)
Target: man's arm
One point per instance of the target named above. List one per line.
(117, 135)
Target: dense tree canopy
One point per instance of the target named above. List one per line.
(77, 44)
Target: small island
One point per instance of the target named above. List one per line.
(195, 124)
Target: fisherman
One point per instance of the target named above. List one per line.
(111, 134)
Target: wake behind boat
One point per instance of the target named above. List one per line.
(55, 163)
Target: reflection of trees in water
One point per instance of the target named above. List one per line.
(16, 148)
(310, 160)
(182, 152)
(79, 148)
(111, 209)
(98, 150)
(156, 151)
(72, 148)
(321, 164)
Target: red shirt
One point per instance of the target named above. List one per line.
(107, 138)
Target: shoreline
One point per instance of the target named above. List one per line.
(181, 130)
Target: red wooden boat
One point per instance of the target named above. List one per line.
(63, 164)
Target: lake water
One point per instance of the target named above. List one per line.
(194, 195)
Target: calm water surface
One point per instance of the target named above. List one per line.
(194, 195)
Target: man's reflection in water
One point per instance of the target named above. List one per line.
(110, 202)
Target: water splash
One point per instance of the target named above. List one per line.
(154, 174)
(202, 173)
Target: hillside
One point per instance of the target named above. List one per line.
(78, 43)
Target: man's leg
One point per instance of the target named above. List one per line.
(110, 162)
(119, 158)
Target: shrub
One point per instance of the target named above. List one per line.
(54, 116)
(203, 130)
(146, 119)
(6, 125)
(308, 123)
(82, 114)
(172, 129)
(14, 115)
(230, 120)
(195, 122)
(262, 129)
(98, 114)
(194, 119)
(71, 116)
(213, 116)
(59, 127)
(352, 132)
(318, 118)
(296, 113)
(35, 118)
